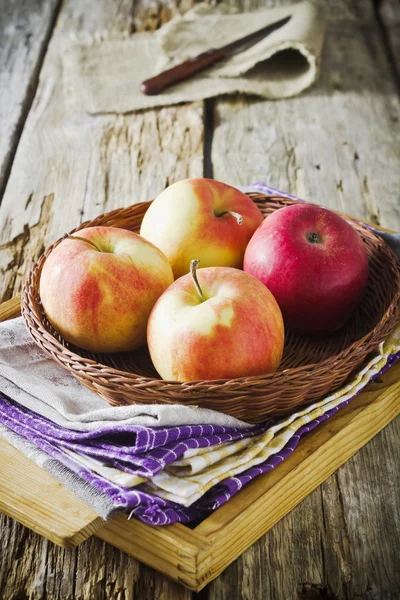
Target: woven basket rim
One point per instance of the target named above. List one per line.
(126, 379)
(26, 309)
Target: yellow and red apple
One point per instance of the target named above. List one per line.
(99, 286)
(204, 219)
(220, 323)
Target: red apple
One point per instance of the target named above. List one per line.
(99, 285)
(220, 324)
(201, 218)
(314, 263)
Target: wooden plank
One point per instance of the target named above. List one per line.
(95, 164)
(389, 11)
(336, 144)
(196, 557)
(25, 28)
(23, 564)
(284, 563)
(68, 168)
(318, 145)
(176, 542)
(104, 572)
(55, 512)
(10, 309)
(98, 565)
(172, 550)
(317, 457)
(30, 567)
(190, 556)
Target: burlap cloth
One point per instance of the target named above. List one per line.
(103, 73)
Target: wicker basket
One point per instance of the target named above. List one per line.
(310, 368)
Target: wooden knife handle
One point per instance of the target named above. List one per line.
(157, 84)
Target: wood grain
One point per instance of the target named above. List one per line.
(73, 167)
(55, 512)
(319, 146)
(339, 542)
(172, 550)
(10, 309)
(197, 557)
(31, 568)
(389, 12)
(25, 28)
(330, 549)
(76, 166)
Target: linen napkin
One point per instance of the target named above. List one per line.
(103, 74)
(37, 382)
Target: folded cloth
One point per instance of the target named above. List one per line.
(167, 498)
(104, 74)
(37, 382)
(141, 451)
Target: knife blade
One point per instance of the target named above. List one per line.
(186, 69)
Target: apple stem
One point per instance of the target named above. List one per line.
(68, 236)
(237, 216)
(193, 269)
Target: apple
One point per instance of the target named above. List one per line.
(314, 263)
(218, 323)
(204, 219)
(98, 287)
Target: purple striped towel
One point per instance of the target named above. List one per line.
(149, 507)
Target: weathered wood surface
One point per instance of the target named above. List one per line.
(72, 170)
(32, 568)
(25, 27)
(226, 533)
(337, 144)
(196, 557)
(76, 166)
(389, 11)
(340, 543)
(54, 513)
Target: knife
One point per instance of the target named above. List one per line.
(184, 70)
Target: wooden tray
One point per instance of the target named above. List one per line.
(194, 557)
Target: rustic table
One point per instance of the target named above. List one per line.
(337, 144)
